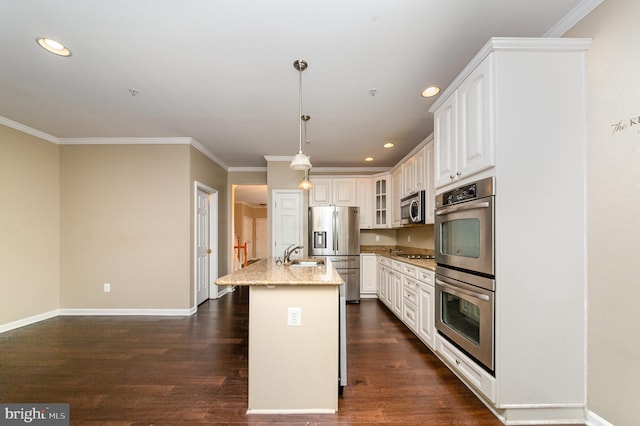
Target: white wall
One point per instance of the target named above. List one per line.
(613, 179)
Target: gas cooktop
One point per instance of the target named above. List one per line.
(416, 256)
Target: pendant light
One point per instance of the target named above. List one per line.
(300, 160)
(305, 183)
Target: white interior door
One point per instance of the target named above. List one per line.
(203, 250)
(287, 220)
(261, 238)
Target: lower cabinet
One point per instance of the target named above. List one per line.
(408, 291)
(368, 275)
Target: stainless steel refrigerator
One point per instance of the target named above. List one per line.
(334, 232)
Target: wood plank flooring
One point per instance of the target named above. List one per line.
(193, 370)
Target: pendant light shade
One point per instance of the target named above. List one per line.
(300, 160)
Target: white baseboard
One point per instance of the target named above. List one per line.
(132, 312)
(95, 312)
(28, 321)
(595, 420)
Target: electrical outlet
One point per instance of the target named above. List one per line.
(107, 287)
(409, 238)
(377, 237)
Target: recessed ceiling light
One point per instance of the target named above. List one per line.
(389, 145)
(368, 159)
(53, 46)
(430, 91)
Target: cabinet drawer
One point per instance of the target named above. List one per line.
(397, 266)
(410, 292)
(410, 314)
(385, 261)
(463, 366)
(410, 270)
(426, 276)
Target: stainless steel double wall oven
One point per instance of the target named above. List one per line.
(465, 272)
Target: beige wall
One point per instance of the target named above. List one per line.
(29, 226)
(125, 220)
(207, 172)
(613, 176)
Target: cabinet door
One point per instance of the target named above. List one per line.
(365, 202)
(368, 274)
(475, 109)
(419, 170)
(445, 142)
(397, 294)
(430, 191)
(426, 314)
(408, 177)
(321, 193)
(396, 189)
(381, 199)
(344, 192)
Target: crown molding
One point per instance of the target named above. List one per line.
(197, 145)
(246, 169)
(126, 141)
(576, 14)
(29, 130)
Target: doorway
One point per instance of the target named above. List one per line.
(249, 216)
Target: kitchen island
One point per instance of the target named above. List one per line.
(293, 336)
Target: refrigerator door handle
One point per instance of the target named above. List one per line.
(336, 230)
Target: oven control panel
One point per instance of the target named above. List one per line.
(479, 189)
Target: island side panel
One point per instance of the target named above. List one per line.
(293, 369)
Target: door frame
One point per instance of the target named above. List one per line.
(213, 239)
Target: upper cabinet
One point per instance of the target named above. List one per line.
(381, 202)
(396, 191)
(333, 191)
(414, 173)
(365, 202)
(462, 128)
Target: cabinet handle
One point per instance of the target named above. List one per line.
(457, 362)
(459, 173)
(451, 176)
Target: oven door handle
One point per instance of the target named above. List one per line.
(470, 206)
(459, 291)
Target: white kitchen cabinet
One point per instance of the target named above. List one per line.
(381, 201)
(463, 126)
(482, 120)
(430, 189)
(414, 173)
(384, 269)
(426, 307)
(333, 191)
(368, 275)
(396, 191)
(365, 202)
(410, 302)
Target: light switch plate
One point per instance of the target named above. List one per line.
(294, 317)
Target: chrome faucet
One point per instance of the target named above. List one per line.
(289, 251)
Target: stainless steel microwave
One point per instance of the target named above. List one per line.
(412, 208)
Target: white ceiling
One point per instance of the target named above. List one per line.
(220, 71)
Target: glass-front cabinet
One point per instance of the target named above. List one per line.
(381, 199)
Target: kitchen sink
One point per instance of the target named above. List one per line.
(307, 262)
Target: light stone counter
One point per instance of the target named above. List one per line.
(267, 272)
(293, 336)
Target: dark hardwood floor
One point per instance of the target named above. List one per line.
(193, 370)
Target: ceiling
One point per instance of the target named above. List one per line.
(221, 72)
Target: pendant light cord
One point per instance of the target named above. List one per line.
(300, 104)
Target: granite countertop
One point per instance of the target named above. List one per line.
(429, 264)
(267, 272)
